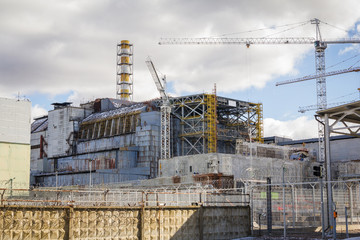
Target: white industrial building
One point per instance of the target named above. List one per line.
(15, 120)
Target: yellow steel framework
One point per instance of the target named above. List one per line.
(259, 123)
(207, 123)
(211, 122)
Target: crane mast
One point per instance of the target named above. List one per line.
(165, 111)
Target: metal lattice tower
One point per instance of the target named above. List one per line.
(124, 71)
(320, 47)
(165, 131)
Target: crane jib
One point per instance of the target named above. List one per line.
(250, 41)
(246, 41)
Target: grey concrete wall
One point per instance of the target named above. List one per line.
(241, 167)
(124, 223)
(62, 123)
(115, 159)
(36, 163)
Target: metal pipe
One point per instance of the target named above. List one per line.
(283, 190)
(334, 221)
(56, 179)
(313, 201)
(346, 222)
(90, 161)
(293, 205)
(351, 205)
(328, 171)
(322, 208)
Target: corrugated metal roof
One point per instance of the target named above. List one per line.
(113, 113)
(39, 125)
(118, 103)
(314, 140)
(338, 112)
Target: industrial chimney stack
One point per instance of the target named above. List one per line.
(124, 71)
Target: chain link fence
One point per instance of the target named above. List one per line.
(298, 207)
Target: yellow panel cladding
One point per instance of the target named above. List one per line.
(125, 44)
(125, 60)
(125, 77)
(210, 100)
(14, 164)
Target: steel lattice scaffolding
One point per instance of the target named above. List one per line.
(206, 123)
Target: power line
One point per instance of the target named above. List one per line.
(347, 95)
(355, 63)
(286, 30)
(339, 28)
(356, 55)
(261, 29)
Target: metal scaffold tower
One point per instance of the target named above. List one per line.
(207, 123)
(259, 137)
(211, 122)
(165, 132)
(191, 111)
(124, 71)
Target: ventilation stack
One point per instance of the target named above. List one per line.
(124, 71)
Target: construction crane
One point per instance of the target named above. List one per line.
(327, 74)
(318, 42)
(314, 107)
(165, 110)
(309, 77)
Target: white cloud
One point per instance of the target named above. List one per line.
(70, 46)
(37, 111)
(299, 128)
(353, 47)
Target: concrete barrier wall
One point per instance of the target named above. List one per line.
(129, 223)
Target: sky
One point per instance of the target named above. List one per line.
(57, 51)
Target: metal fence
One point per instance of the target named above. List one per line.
(188, 196)
(297, 207)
